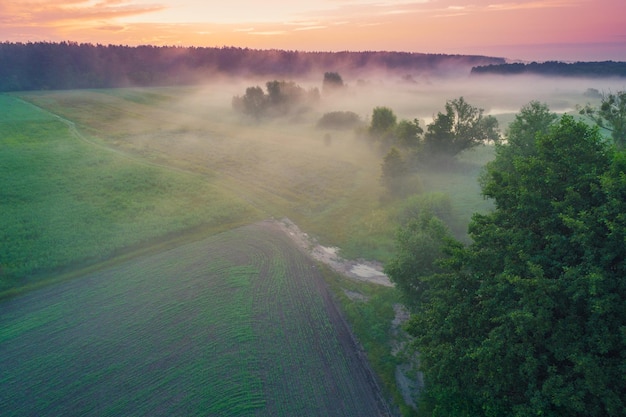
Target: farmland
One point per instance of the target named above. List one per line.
(238, 324)
(83, 197)
(141, 196)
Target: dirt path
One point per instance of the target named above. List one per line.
(367, 271)
(410, 382)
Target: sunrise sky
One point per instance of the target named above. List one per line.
(569, 30)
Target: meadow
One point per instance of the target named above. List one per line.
(66, 202)
(277, 168)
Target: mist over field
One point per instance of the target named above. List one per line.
(124, 178)
(424, 95)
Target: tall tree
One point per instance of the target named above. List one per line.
(611, 115)
(419, 247)
(332, 82)
(532, 120)
(529, 319)
(383, 121)
(253, 103)
(393, 168)
(461, 127)
(408, 133)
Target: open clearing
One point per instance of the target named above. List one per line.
(239, 324)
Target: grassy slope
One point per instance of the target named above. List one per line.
(65, 201)
(282, 168)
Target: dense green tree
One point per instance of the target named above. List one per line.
(461, 127)
(611, 115)
(396, 176)
(282, 98)
(408, 133)
(419, 247)
(383, 122)
(339, 120)
(253, 103)
(332, 82)
(533, 119)
(284, 95)
(393, 166)
(529, 319)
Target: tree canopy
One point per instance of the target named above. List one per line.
(282, 98)
(611, 115)
(332, 82)
(461, 127)
(69, 65)
(529, 319)
(383, 121)
(339, 120)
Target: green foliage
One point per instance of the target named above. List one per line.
(332, 82)
(393, 166)
(529, 319)
(383, 122)
(418, 248)
(461, 127)
(396, 176)
(405, 135)
(282, 98)
(339, 120)
(436, 203)
(533, 119)
(611, 115)
(253, 103)
(408, 133)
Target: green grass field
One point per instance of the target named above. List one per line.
(239, 324)
(101, 179)
(66, 202)
(280, 168)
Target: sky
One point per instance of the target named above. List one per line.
(526, 30)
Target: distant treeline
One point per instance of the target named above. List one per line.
(68, 65)
(555, 68)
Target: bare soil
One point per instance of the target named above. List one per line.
(360, 270)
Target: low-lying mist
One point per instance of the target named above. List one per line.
(421, 97)
(328, 180)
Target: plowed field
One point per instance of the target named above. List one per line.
(239, 324)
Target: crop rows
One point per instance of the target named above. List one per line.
(239, 324)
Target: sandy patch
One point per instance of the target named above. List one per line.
(367, 271)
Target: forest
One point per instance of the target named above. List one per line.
(555, 69)
(68, 65)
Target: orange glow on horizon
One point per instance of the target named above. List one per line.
(524, 29)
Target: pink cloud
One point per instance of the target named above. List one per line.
(442, 26)
(53, 13)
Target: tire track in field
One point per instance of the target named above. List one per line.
(303, 285)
